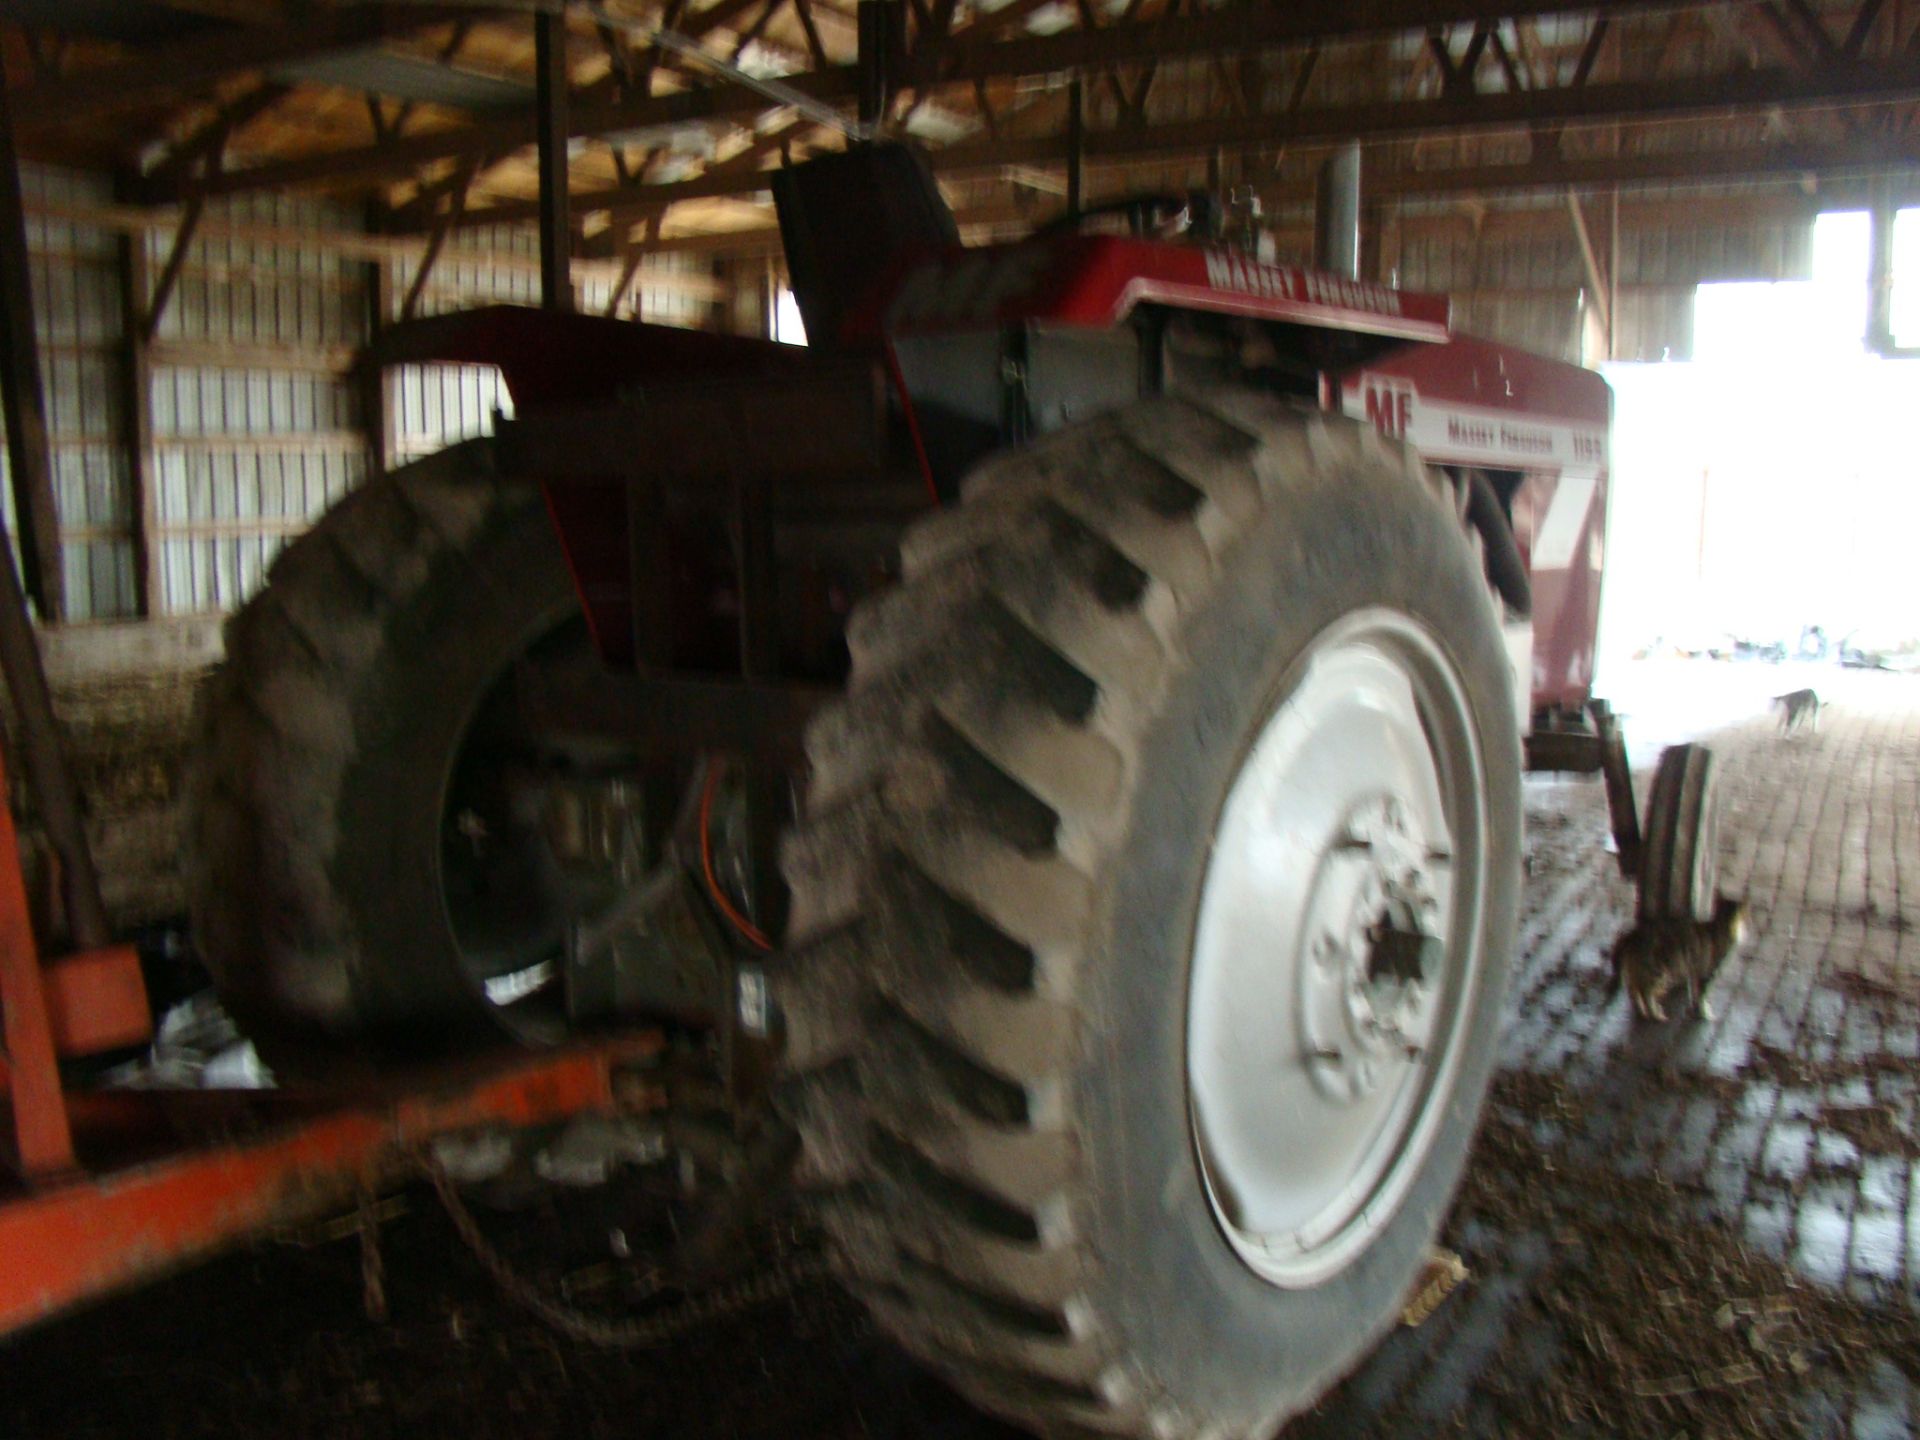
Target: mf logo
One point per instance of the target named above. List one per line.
(1389, 405)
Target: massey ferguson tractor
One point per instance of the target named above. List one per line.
(1049, 755)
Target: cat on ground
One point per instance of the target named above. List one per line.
(1656, 955)
(1797, 707)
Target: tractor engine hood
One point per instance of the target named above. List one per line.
(1095, 281)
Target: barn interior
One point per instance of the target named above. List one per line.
(223, 225)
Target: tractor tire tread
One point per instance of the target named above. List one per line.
(278, 725)
(1038, 619)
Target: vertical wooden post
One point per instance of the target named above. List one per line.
(767, 788)
(650, 589)
(25, 403)
(1390, 247)
(26, 680)
(1373, 241)
(1613, 275)
(376, 416)
(43, 1137)
(48, 779)
(1336, 212)
(1881, 212)
(1076, 145)
(1598, 285)
(156, 305)
(875, 29)
(550, 102)
(136, 411)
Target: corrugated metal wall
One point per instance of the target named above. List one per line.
(255, 426)
(434, 405)
(1528, 287)
(76, 298)
(256, 429)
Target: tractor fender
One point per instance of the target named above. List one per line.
(551, 357)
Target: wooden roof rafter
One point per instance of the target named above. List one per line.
(1166, 82)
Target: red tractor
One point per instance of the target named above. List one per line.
(1052, 749)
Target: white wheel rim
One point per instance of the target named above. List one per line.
(1337, 949)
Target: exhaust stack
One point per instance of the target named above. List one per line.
(1336, 213)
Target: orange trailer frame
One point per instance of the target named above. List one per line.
(112, 1187)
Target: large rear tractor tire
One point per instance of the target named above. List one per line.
(1153, 906)
(357, 877)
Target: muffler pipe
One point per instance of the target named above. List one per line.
(1336, 213)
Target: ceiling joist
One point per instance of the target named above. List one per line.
(1836, 83)
(1440, 90)
(181, 65)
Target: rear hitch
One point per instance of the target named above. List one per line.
(1597, 745)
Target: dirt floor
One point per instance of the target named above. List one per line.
(1699, 1229)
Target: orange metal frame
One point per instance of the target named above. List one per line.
(68, 1233)
(43, 1134)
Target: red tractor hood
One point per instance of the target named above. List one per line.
(1096, 280)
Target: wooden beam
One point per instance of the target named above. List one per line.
(136, 410)
(1713, 212)
(1076, 146)
(1199, 138)
(1302, 78)
(1643, 100)
(504, 134)
(967, 55)
(162, 71)
(1470, 62)
(1598, 287)
(211, 138)
(1236, 29)
(1857, 83)
(1443, 57)
(1824, 47)
(803, 10)
(1590, 52)
(1613, 272)
(1862, 28)
(170, 272)
(377, 114)
(755, 30)
(46, 52)
(21, 396)
(551, 131)
(372, 381)
(721, 178)
(1515, 81)
(759, 241)
(1707, 166)
(628, 268)
(349, 244)
(456, 202)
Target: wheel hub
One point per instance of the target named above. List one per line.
(1364, 1000)
(1336, 942)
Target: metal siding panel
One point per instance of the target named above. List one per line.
(439, 405)
(1655, 324)
(244, 473)
(1546, 323)
(230, 480)
(76, 312)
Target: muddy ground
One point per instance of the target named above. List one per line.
(1694, 1230)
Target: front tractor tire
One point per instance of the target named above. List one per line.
(1680, 854)
(1153, 906)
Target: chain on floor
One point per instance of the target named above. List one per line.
(730, 1298)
